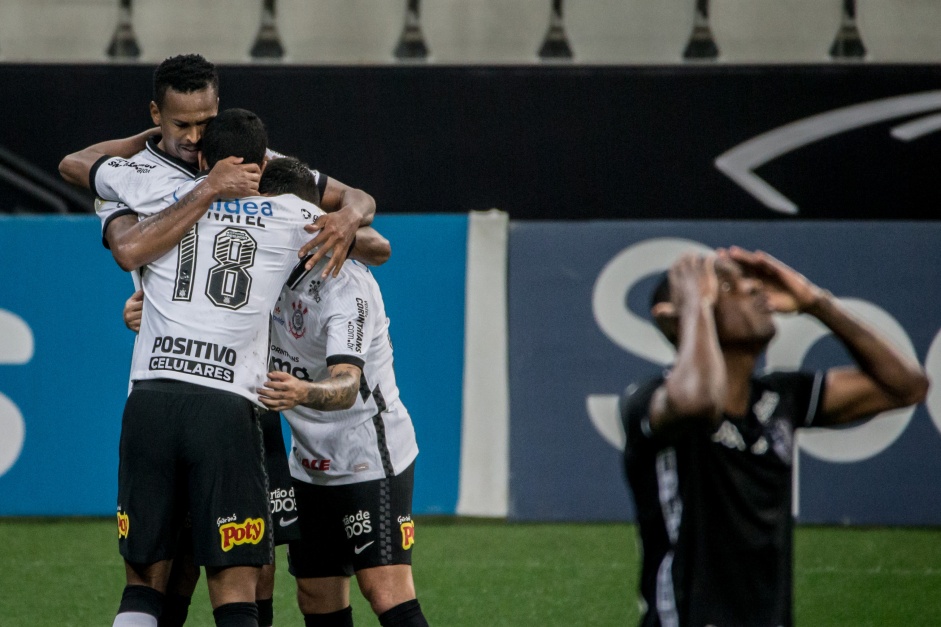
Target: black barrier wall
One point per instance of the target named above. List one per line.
(688, 142)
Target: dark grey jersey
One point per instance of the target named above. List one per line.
(714, 506)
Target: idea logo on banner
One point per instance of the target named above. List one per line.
(16, 347)
(795, 338)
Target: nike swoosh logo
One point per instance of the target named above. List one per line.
(284, 522)
(360, 549)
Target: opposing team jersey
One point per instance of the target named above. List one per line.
(714, 507)
(207, 303)
(318, 323)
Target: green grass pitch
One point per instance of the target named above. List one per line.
(67, 572)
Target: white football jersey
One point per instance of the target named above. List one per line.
(146, 183)
(207, 303)
(321, 322)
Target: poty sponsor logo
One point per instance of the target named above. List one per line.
(225, 519)
(124, 525)
(357, 524)
(249, 531)
(408, 534)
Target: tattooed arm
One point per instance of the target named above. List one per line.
(284, 391)
(136, 243)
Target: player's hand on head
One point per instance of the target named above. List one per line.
(282, 391)
(334, 235)
(134, 311)
(693, 279)
(787, 289)
(230, 178)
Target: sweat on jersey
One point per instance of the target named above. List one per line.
(322, 322)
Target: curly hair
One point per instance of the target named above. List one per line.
(184, 73)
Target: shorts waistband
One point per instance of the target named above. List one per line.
(176, 387)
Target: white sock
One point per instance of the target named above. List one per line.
(134, 619)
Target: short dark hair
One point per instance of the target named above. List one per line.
(184, 73)
(287, 175)
(235, 133)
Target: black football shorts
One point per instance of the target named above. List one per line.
(350, 527)
(189, 448)
(281, 501)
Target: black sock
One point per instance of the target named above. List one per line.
(175, 609)
(143, 599)
(406, 614)
(340, 618)
(265, 612)
(236, 615)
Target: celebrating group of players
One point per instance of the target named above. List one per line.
(249, 306)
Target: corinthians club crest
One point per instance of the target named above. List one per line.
(296, 325)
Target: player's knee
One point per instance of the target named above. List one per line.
(318, 599)
(384, 597)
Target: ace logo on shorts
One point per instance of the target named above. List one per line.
(250, 531)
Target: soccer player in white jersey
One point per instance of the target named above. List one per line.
(191, 441)
(144, 171)
(353, 443)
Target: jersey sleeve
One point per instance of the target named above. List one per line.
(801, 392)
(347, 317)
(634, 408)
(116, 178)
(108, 210)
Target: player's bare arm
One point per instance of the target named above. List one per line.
(347, 209)
(370, 247)
(696, 388)
(283, 391)
(884, 378)
(75, 168)
(134, 311)
(136, 243)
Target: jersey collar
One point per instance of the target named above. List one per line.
(174, 162)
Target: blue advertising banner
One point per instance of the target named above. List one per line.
(65, 358)
(579, 333)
